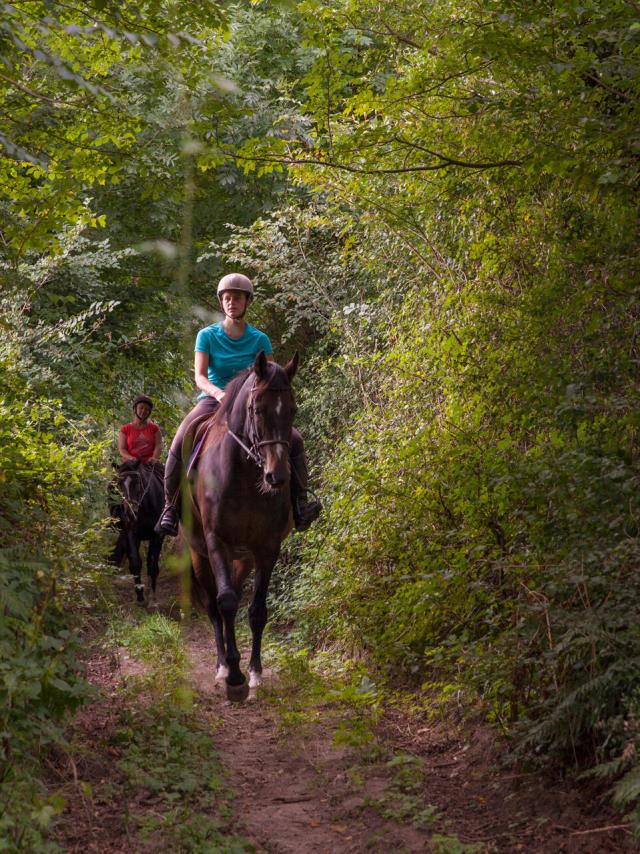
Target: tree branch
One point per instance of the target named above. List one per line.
(40, 97)
(431, 167)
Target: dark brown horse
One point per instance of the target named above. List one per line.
(141, 489)
(241, 508)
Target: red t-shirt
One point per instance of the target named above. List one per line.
(140, 440)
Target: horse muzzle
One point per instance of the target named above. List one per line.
(275, 480)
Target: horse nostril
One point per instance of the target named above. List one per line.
(273, 479)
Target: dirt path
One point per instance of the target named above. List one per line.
(294, 793)
(303, 794)
(291, 789)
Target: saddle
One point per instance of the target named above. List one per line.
(194, 439)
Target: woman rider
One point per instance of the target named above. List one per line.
(222, 350)
(140, 439)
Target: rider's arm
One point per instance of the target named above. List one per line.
(122, 447)
(202, 380)
(157, 448)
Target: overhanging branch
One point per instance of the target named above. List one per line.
(445, 163)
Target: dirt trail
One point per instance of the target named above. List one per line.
(302, 794)
(296, 791)
(293, 793)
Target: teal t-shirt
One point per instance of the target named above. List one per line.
(228, 356)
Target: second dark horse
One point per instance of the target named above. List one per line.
(142, 500)
(241, 508)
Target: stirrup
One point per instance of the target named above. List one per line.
(168, 522)
(306, 512)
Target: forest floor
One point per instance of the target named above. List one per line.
(160, 761)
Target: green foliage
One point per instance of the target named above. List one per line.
(439, 204)
(167, 757)
(313, 686)
(155, 639)
(403, 799)
(42, 521)
(165, 747)
(446, 844)
(480, 528)
(168, 753)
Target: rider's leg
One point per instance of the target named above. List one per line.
(169, 518)
(305, 510)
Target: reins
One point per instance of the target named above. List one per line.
(251, 454)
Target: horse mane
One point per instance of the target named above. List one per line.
(232, 390)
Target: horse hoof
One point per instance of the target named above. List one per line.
(237, 693)
(140, 594)
(255, 679)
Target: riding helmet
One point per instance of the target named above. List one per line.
(142, 398)
(235, 282)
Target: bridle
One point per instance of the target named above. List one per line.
(252, 450)
(133, 505)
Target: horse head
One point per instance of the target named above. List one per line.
(266, 417)
(131, 486)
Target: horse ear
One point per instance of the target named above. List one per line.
(292, 366)
(260, 365)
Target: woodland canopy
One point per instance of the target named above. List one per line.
(438, 203)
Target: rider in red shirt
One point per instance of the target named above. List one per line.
(140, 439)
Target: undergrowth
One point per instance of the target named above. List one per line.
(168, 780)
(167, 752)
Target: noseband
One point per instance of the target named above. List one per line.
(255, 443)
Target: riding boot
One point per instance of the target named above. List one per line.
(305, 511)
(169, 518)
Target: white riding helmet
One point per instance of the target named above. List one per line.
(235, 282)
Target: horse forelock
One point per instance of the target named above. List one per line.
(278, 379)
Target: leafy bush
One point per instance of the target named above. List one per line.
(41, 537)
(481, 513)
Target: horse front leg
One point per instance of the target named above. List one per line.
(204, 590)
(135, 564)
(227, 605)
(222, 669)
(153, 566)
(258, 616)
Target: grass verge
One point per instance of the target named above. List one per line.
(148, 777)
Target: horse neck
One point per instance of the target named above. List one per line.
(237, 415)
